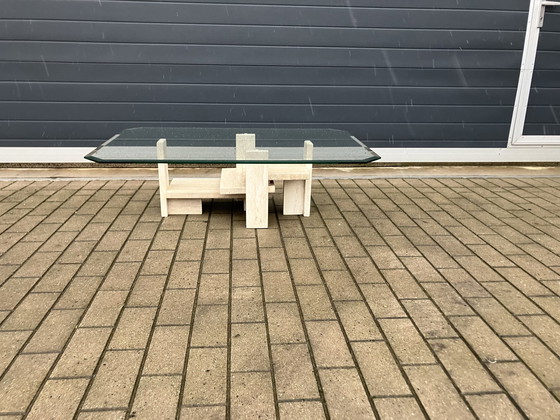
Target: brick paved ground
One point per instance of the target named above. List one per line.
(398, 298)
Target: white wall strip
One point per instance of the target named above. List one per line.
(388, 155)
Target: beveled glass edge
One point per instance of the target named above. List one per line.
(373, 158)
(91, 156)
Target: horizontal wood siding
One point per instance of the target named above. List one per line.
(412, 73)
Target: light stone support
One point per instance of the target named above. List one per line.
(256, 198)
(163, 175)
(297, 192)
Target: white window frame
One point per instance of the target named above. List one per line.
(535, 21)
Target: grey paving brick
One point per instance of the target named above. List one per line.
(244, 248)
(125, 222)
(447, 299)
(210, 326)
(112, 386)
(97, 264)
(526, 390)
(57, 278)
(77, 252)
(113, 240)
(277, 287)
(328, 344)
(357, 322)
(157, 397)
(134, 250)
(512, 299)
(20, 252)
(543, 363)
(345, 395)
(52, 334)
(497, 316)
(500, 287)
(492, 257)
(82, 353)
(464, 283)
(203, 412)
(341, 285)
(213, 289)
(293, 372)
(184, 274)
(157, 262)
(249, 348)
(14, 290)
(6, 271)
(301, 410)
(247, 305)
(252, 395)
(144, 231)
(133, 328)
(269, 238)
(338, 227)
(436, 393)
(550, 304)
(315, 303)
(403, 284)
(58, 399)
(147, 291)
(437, 256)
(319, 236)
(10, 344)
(406, 341)
(477, 268)
(104, 309)
(216, 261)
(398, 408)
(245, 273)
(37, 265)
(304, 271)
(535, 268)
(166, 352)
(29, 312)
(206, 378)
(428, 319)
(166, 240)
(284, 323)
(79, 293)
(493, 406)
(422, 270)
(384, 257)
(349, 246)
(272, 259)
(22, 381)
(487, 345)
(463, 367)
(545, 328)
(176, 307)
(173, 222)
(380, 370)
(382, 301)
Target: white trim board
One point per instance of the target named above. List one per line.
(388, 155)
(537, 11)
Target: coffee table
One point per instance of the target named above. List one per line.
(262, 156)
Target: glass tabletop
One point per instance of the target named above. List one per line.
(217, 145)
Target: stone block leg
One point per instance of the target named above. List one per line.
(184, 206)
(294, 197)
(256, 196)
(297, 197)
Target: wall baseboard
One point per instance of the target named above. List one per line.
(17, 155)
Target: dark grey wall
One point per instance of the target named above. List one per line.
(408, 73)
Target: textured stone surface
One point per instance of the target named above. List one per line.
(397, 298)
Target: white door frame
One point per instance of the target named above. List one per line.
(535, 21)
